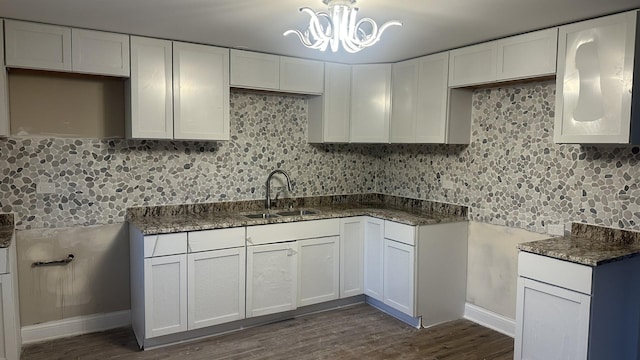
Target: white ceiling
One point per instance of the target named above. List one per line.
(429, 26)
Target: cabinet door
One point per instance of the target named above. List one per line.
(9, 331)
(473, 65)
(318, 270)
(370, 102)
(4, 89)
(272, 278)
(337, 103)
(551, 322)
(102, 53)
(404, 101)
(528, 55)
(595, 79)
(399, 270)
(150, 113)
(200, 92)
(301, 76)
(216, 287)
(37, 46)
(432, 99)
(255, 70)
(351, 257)
(165, 299)
(373, 257)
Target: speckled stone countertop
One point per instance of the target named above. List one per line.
(171, 219)
(588, 245)
(6, 229)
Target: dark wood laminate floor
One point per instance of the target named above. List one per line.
(357, 332)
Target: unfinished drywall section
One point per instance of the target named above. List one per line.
(492, 268)
(95, 282)
(65, 105)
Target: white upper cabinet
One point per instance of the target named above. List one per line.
(419, 100)
(97, 52)
(253, 70)
(301, 75)
(200, 92)
(370, 103)
(518, 57)
(4, 89)
(473, 64)
(150, 100)
(37, 46)
(329, 114)
(595, 81)
(178, 91)
(528, 55)
(58, 48)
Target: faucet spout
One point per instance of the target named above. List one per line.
(276, 171)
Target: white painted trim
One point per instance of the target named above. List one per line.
(75, 326)
(490, 319)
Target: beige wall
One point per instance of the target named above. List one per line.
(492, 268)
(96, 281)
(65, 105)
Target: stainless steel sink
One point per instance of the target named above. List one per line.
(297, 212)
(261, 216)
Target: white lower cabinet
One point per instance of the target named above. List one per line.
(10, 337)
(319, 270)
(165, 288)
(216, 287)
(351, 256)
(566, 310)
(272, 278)
(399, 275)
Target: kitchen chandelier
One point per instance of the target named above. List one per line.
(339, 26)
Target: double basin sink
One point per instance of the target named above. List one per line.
(281, 213)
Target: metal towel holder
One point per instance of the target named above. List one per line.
(69, 259)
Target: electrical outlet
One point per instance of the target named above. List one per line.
(45, 188)
(555, 229)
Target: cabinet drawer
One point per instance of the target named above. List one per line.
(400, 232)
(273, 233)
(165, 244)
(556, 272)
(206, 240)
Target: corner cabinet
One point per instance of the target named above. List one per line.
(566, 310)
(594, 86)
(4, 89)
(178, 91)
(370, 103)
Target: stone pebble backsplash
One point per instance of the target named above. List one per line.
(96, 180)
(513, 174)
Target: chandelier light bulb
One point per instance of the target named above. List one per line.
(338, 27)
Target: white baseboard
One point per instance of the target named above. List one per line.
(490, 319)
(75, 326)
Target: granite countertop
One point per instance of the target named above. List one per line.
(179, 220)
(6, 230)
(588, 245)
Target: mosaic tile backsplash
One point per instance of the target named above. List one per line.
(96, 180)
(512, 173)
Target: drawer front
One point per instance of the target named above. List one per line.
(165, 244)
(400, 232)
(206, 240)
(556, 272)
(274, 233)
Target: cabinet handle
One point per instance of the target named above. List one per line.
(249, 240)
(291, 252)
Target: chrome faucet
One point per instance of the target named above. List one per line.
(267, 204)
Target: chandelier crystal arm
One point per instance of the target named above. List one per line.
(339, 27)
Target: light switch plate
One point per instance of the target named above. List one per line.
(45, 188)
